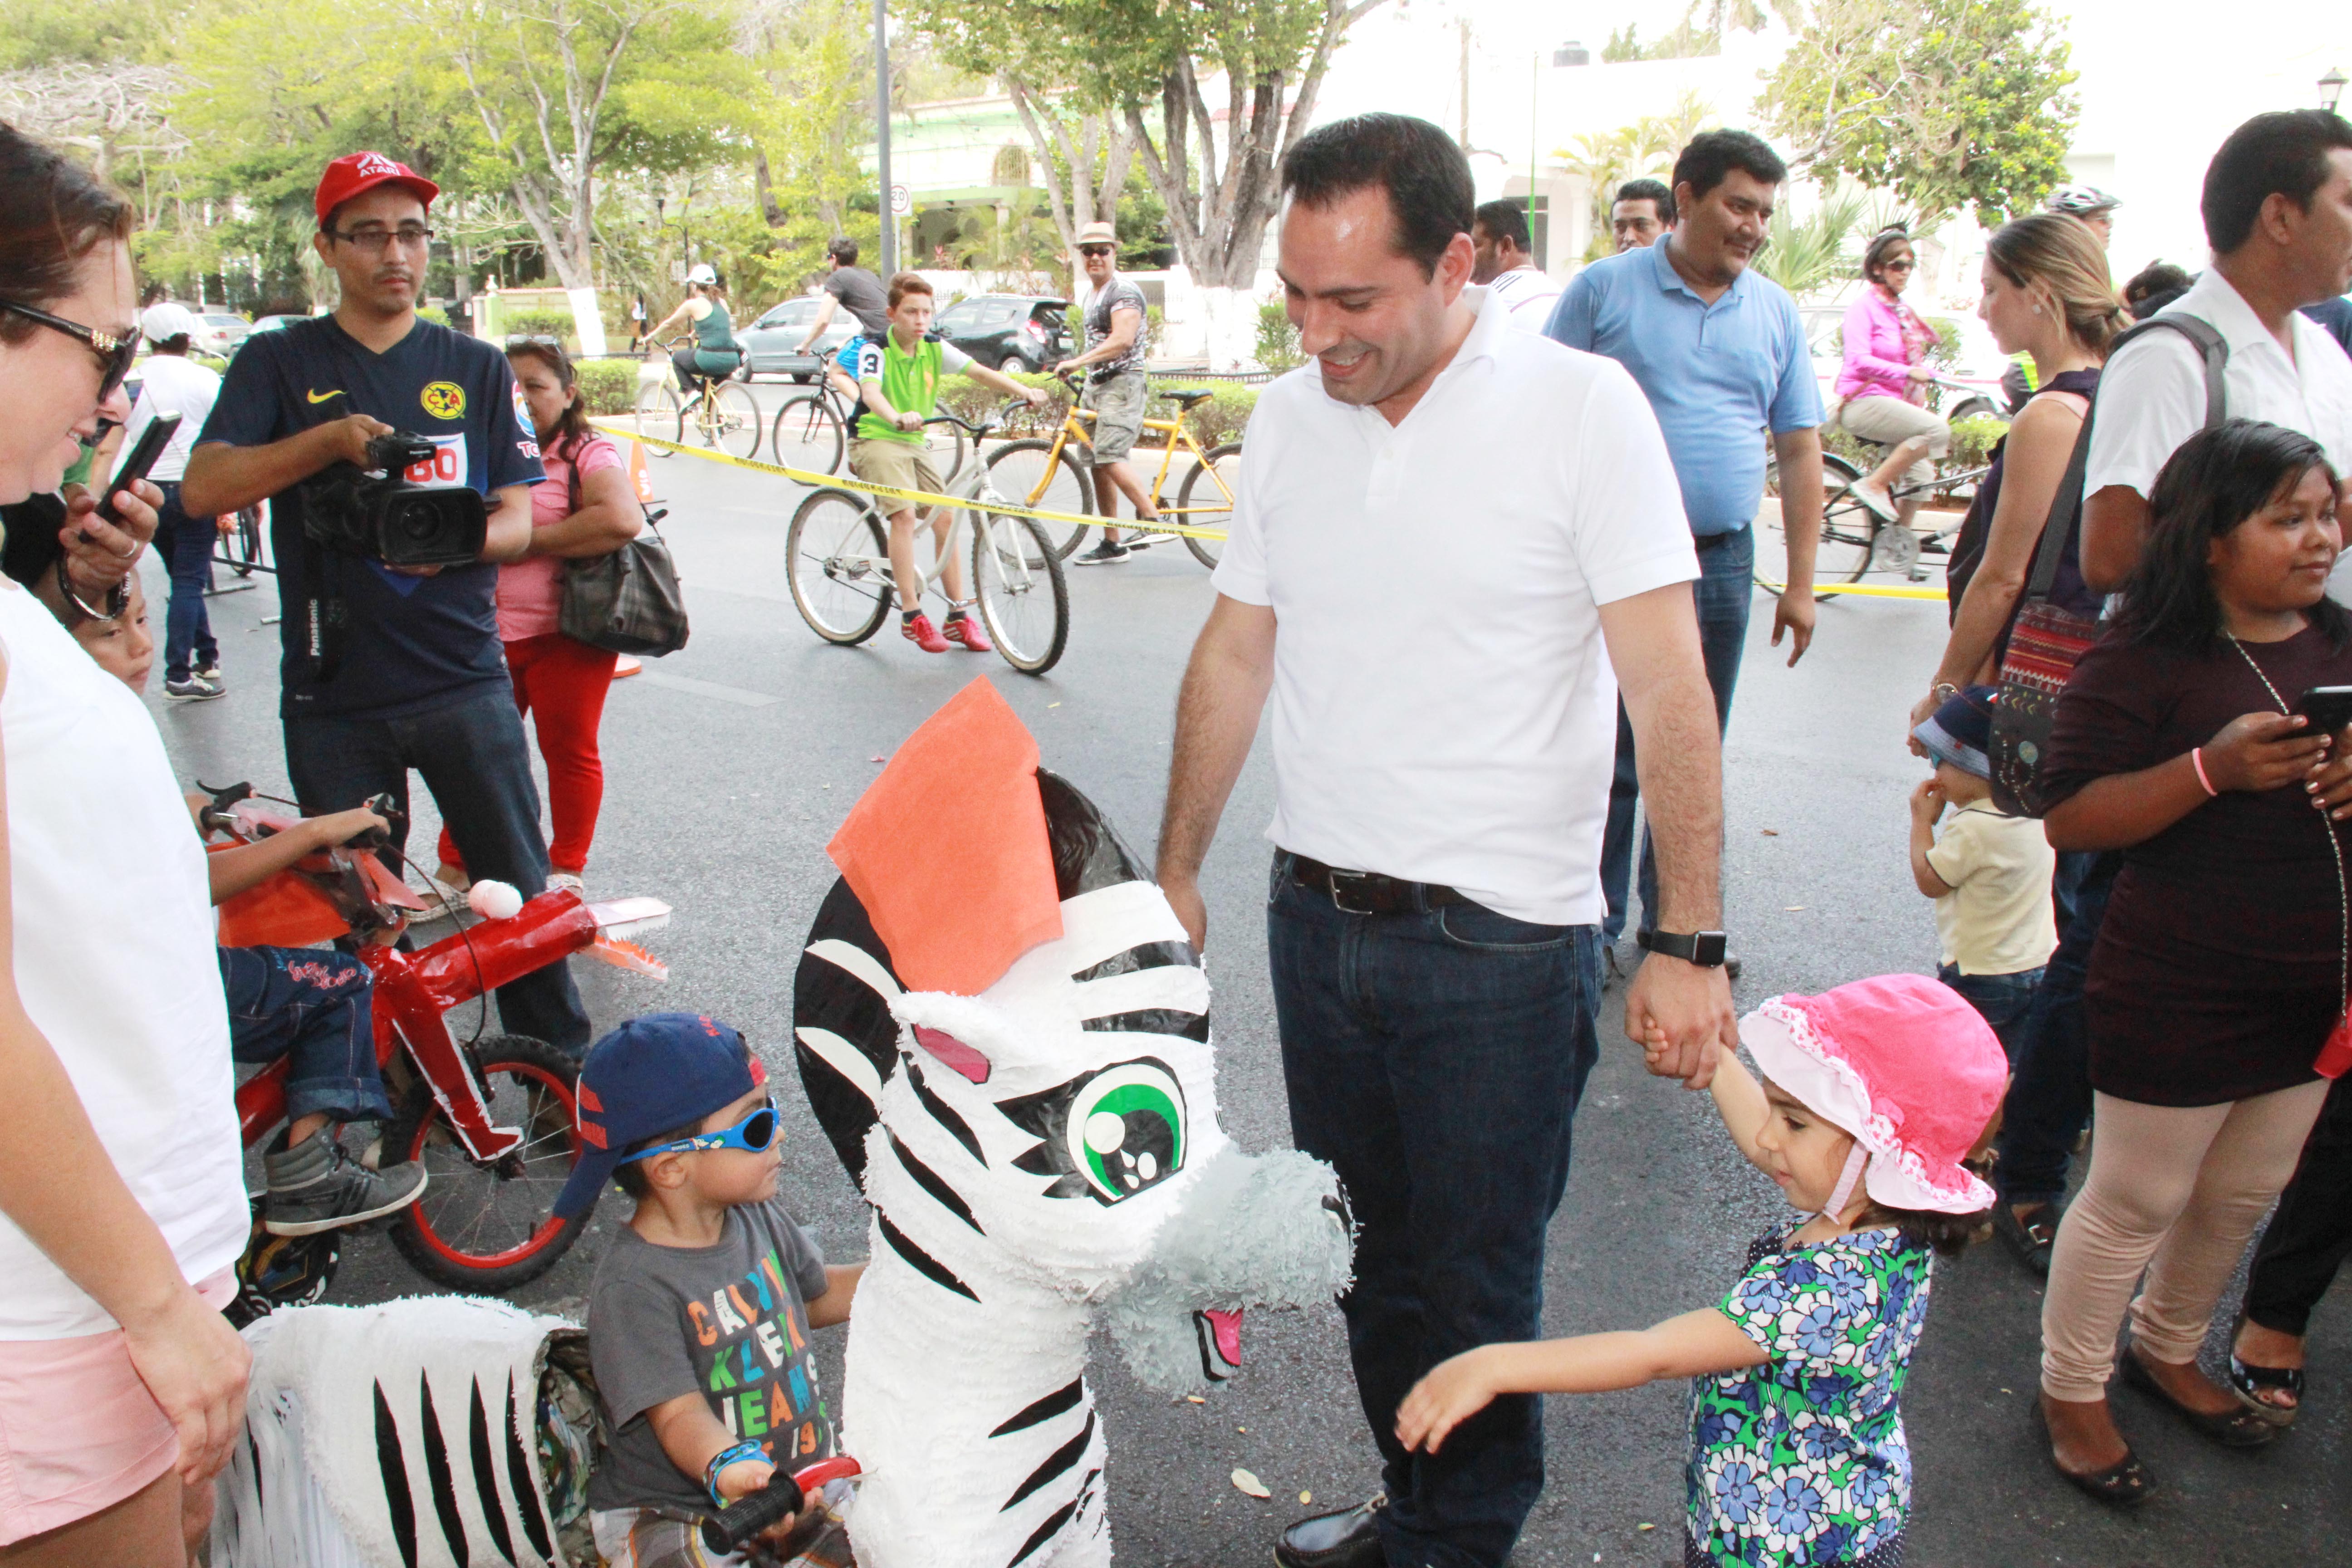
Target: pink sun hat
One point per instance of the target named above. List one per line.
(1904, 1064)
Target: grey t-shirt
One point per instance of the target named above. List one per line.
(862, 295)
(1119, 295)
(730, 1321)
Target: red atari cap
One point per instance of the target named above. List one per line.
(356, 174)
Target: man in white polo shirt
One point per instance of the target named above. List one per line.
(1503, 509)
(2278, 214)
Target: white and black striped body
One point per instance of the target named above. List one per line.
(1025, 1151)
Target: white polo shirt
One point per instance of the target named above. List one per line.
(1530, 292)
(1444, 707)
(2152, 395)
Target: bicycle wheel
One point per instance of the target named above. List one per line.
(808, 434)
(1024, 601)
(658, 415)
(490, 1227)
(731, 420)
(1221, 465)
(838, 561)
(245, 541)
(1849, 529)
(1018, 471)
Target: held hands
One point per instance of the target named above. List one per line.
(1680, 1014)
(1927, 803)
(2258, 751)
(1454, 1391)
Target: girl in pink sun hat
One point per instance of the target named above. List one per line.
(1871, 1095)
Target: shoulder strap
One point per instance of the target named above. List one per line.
(2066, 506)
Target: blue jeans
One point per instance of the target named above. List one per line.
(473, 758)
(1726, 587)
(2000, 1000)
(1435, 1059)
(184, 545)
(2049, 1102)
(310, 1005)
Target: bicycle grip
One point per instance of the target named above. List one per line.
(738, 1521)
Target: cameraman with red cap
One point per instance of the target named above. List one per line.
(386, 668)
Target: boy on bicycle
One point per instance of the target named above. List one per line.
(899, 378)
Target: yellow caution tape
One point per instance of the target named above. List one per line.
(1869, 590)
(920, 497)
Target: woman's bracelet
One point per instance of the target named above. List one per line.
(2197, 760)
(746, 1449)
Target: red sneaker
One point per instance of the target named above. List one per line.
(965, 629)
(923, 635)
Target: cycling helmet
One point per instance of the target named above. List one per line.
(702, 273)
(2080, 201)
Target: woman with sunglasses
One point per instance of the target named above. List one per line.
(122, 1205)
(1885, 379)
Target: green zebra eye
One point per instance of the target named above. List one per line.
(1125, 1129)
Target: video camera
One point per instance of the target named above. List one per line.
(385, 517)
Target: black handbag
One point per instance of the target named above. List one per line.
(628, 601)
(2047, 639)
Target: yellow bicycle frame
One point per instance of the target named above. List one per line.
(1072, 430)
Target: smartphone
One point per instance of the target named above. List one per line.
(151, 442)
(2329, 708)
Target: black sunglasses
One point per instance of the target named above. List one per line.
(1095, 250)
(114, 354)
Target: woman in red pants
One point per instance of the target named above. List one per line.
(585, 508)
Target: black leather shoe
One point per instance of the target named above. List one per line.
(1348, 1539)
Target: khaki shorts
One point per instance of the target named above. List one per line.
(1118, 404)
(1890, 420)
(902, 465)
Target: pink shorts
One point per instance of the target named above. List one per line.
(78, 1431)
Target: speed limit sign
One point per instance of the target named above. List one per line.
(902, 201)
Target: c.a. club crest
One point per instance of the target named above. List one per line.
(443, 399)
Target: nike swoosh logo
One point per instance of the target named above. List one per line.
(322, 396)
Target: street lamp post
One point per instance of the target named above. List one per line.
(2331, 89)
(882, 134)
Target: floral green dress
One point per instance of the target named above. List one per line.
(1802, 1460)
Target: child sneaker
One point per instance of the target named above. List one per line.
(317, 1186)
(965, 629)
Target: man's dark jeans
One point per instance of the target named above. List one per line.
(2003, 1000)
(472, 755)
(309, 1006)
(2311, 1235)
(184, 545)
(2049, 1102)
(1726, 587)
(1435, 1059)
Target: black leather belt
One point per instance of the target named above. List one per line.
(1704, 542)
(1369, 892)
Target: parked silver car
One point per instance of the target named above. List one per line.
(219, 334)
(768, 342)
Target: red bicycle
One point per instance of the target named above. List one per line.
(491, 1118)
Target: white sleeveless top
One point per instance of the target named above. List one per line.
(114, 960)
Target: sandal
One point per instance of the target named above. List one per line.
(2238, 1429)
(2248, 1381)
(2123, 1484)
(2030, 1239)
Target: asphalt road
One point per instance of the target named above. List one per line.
(730, 763)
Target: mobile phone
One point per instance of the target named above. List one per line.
(2328, 707)
(151, 442)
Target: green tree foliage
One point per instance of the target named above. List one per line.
(1803, 254)
(1647, 148)
(1948, 103)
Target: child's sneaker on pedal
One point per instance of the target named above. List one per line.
(965, 629)
(918, 629)
(317, 1186)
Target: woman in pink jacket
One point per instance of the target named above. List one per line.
(1885, 381)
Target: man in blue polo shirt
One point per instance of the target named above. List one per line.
(1721, 353)
(408, 672)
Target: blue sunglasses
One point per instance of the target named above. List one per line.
(755, 1133)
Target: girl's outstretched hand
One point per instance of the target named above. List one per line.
(1454, 1391)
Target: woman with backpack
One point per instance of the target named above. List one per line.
(2220, 969)
(586, 508)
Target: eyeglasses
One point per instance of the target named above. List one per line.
(114, 353)
(755, 1133)
(1095, 250)
(1896, 266)
(533, 340)
(373, 241)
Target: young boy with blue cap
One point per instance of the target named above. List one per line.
(1988, 872)
(699, 1317)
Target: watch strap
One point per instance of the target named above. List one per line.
(1707, 949)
